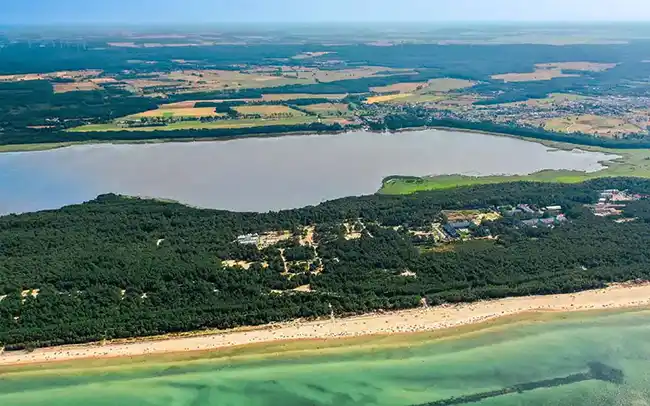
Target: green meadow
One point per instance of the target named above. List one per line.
(632, 162)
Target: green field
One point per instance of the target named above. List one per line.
(197, 125)
(34, 147)
(634, 163)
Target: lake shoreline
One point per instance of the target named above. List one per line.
(433, 319)
(197, 174)
(566, 146)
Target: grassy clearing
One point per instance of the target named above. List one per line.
(268, 111)
(75, 87)
(592, 124)
(548, 71)
(333, 109)
(447, 85)
(197, 125)
(634, 163)
(537, 75)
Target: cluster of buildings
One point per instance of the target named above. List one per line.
(248, 239)
(611, 202)
(454, 229)
(533, 216)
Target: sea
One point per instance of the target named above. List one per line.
(531, 359)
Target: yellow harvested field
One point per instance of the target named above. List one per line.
(582, 66)
(447, 85)
(387, 98)
(592, 124)
(548, 71)
(298, 96)
(75, 87)
(400, 87)
(268, 111)
(180, 112)
(539, 74)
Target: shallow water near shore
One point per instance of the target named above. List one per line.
(261, 174)
(379, 371)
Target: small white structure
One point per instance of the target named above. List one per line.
(554, 208)
(248, 239)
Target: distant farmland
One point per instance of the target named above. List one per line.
(180, 112)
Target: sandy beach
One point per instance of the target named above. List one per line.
(409, 321)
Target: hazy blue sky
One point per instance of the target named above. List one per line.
(188, 11)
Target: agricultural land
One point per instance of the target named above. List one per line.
(592, 90)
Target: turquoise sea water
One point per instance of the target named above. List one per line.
(378, 371)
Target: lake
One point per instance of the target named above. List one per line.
(262, 174)
(538, 350)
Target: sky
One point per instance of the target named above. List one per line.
(306, 11)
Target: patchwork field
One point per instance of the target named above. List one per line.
(206, 80)
(188, 104)
(437, 100)
(266, 98)
(548, 71)
(592, 124)
(537, 75)
(75, 87)
(180, 112)
(315, 75)
(387, 98)
(442, 85)
(268, 111)
(78, 75)
(548, 102)
(198, 125)
(328, 108)
(447, 85)
(187, 81)
(299, 96)
(400, 87)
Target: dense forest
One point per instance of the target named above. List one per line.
(122, 267)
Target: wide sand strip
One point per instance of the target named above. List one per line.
(417, 320)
